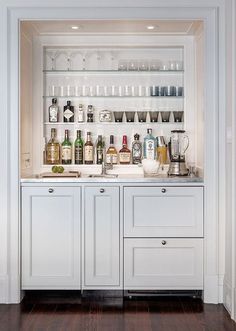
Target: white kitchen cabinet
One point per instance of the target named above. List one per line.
(101, 237)
(163, 263)
(163, 211)
(51, 237)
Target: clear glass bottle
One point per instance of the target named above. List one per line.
(136, 150)
(88, 150)
(68, 114)
(66, 149)
(124, 153)
(53, 111)
(80, 113)
(53, 149)
(99, 150)
(149, 146)
(79, 149)
(90, 113)
(111, 154)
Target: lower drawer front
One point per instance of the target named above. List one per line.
(163, 263)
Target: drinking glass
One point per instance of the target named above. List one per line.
(179, 65)
(178, 116)
(118, 116)
(130, 116)
(155, 65)
(143, 65)
(172, 65)
(123, 65)
(165, 116)
(133, 65)
(153, 116)
(142, 116)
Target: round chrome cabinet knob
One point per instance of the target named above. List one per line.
(163, 190)
(50, 190)
(102, 190)
(163, 242)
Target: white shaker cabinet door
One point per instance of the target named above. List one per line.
(163, 263)
(101, 237)
(51, 237)
(163, 211)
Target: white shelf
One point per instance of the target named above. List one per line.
(113, 72)
(111, 123)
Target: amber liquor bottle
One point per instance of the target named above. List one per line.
(124, 153)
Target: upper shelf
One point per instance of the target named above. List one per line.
(120, 72)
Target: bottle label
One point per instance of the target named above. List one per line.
(79, 153)
(53, 155)
(53, 114)
(150, 149)
(68, 114)
(137, 150)
(99, 155)
(88, 153)
(111, 158)
(124, 157)
(80, 116)
(66, 153)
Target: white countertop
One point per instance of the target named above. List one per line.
(122, 178)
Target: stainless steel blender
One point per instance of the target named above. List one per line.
(178, 145)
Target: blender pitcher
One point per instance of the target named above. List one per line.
(178, 145)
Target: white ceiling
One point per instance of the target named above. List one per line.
(162, 27)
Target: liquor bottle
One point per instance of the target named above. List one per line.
(149, 146)
(53, 149)
(90, 111)
(111, 154)
(136, 150)
(79, 149)
(53, 111)
(68, 114)
(88, 150)
(124, 153)
(99, 150)
(80, 114)
(66, 150)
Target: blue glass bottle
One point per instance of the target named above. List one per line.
(149, 146)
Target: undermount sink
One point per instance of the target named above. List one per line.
(103, 176)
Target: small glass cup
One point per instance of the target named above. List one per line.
(165, 116)
(123, 65)
(142, 116)
(133, 65)
(154, 65)
(141, 91)
(179, 91)
(172, 65)
(154, 115)
(127, 91)
(169, 91)
(178, 116)
(130, 116)
(179, 65)
(118, 115)
(143, 65)
(78, 91)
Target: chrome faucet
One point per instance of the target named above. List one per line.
(106, 166)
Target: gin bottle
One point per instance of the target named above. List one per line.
(136, 150)
(150, 146)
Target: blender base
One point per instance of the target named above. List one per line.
(178, 169)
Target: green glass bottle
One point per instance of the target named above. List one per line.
(79, 149)
(99, 149)
(66, 150)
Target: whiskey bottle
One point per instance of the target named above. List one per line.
(111, 154)
(80, 114)
(99, 149)
(90, 113)
(53, 149)
(79, 149)
(68, 114)
(136, 150)
(150, 146)
(66, 150)
(53, 111)
(88, 150)
(124, 153)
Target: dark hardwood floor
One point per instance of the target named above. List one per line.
(114, 314)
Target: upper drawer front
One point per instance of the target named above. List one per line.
(163, 211)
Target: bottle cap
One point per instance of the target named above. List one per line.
(136, 136)
(54, 100)
(124, 140)
(99, 137)
(68, 102)
(149, 131)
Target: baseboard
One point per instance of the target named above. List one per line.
(227, 296)
(221, 288)
(4, 286)
(211, 289)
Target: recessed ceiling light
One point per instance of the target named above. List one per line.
(75, 27)
(150, 27)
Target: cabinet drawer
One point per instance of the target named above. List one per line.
(163, 263)
(163, 211)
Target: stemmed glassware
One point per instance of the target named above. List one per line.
(52, 55)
